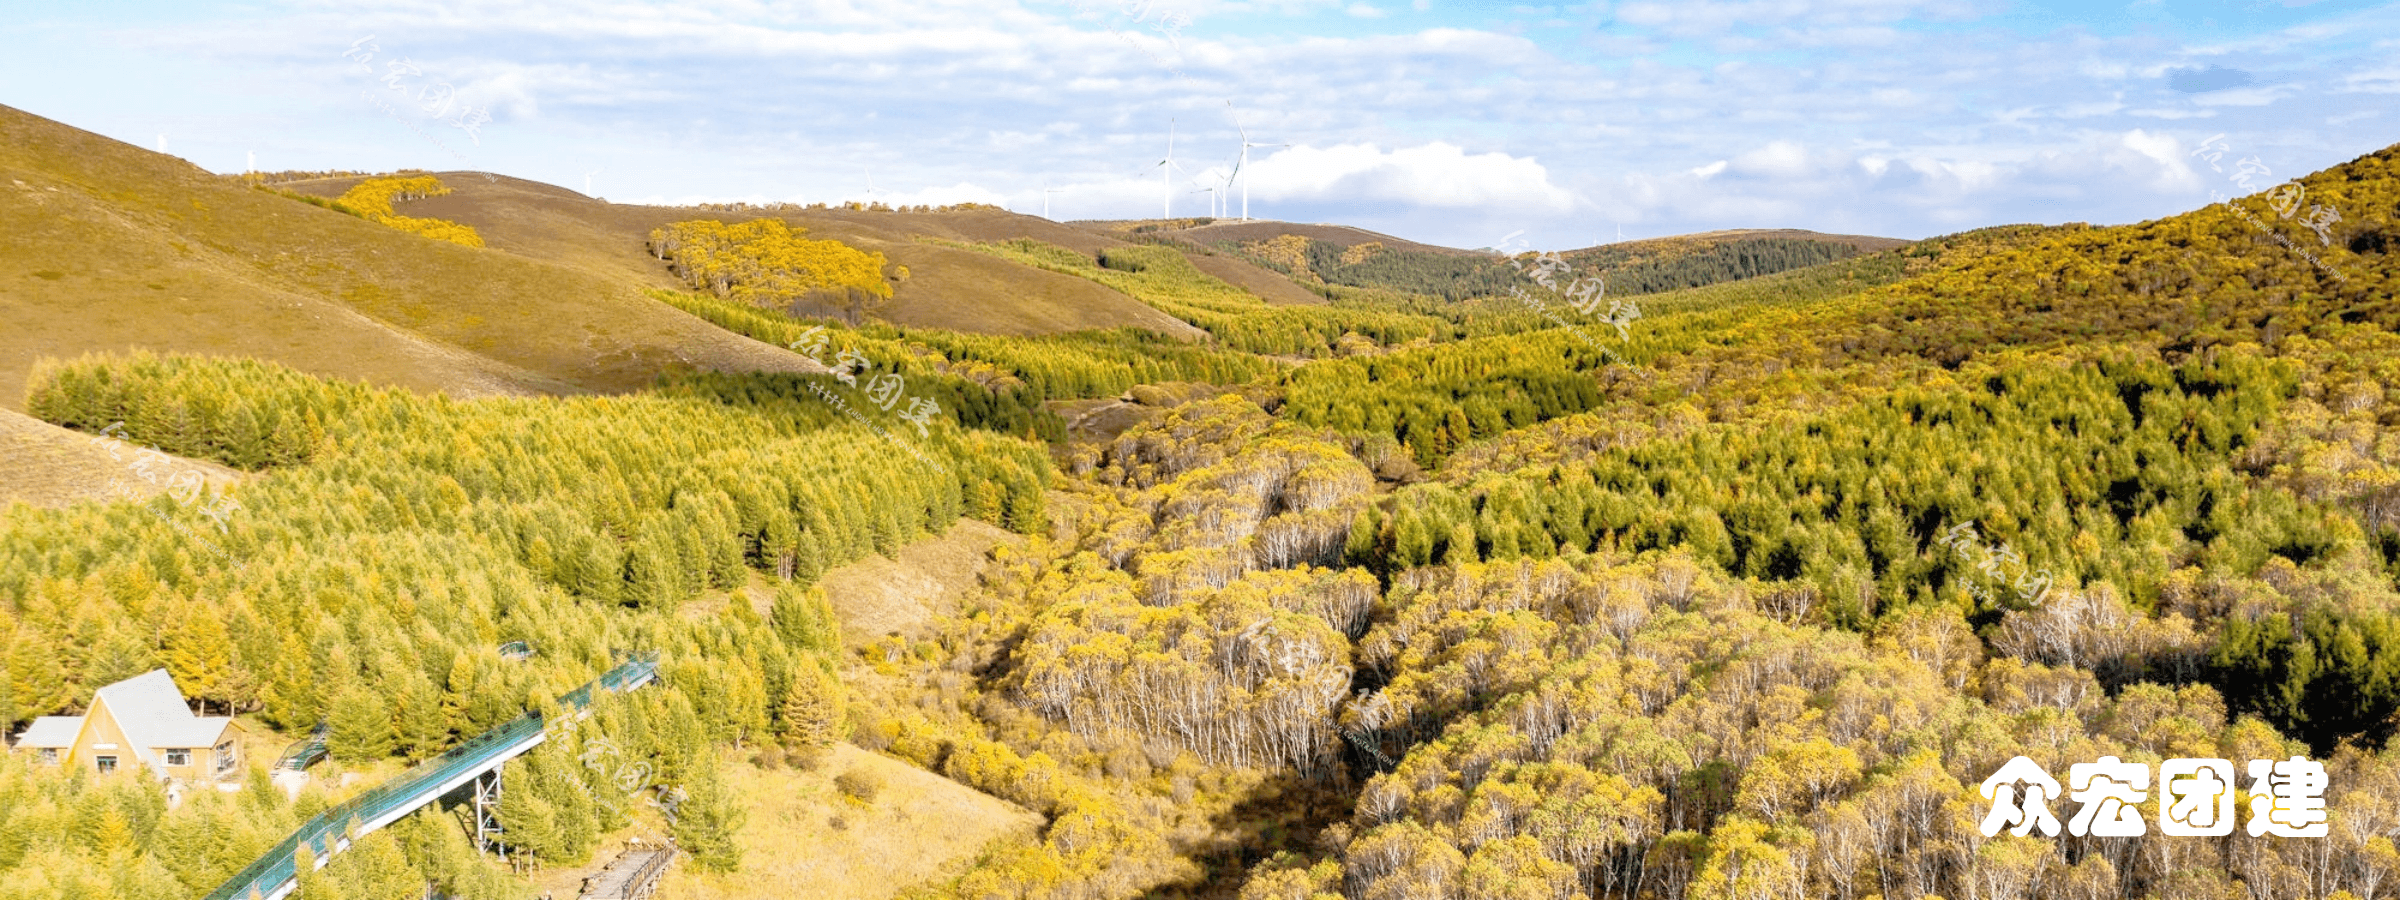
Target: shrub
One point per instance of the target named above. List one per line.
(859, 784)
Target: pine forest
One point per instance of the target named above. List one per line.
(1296, 566)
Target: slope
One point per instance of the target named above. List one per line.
(946, 288)
(1324, 258)
(52, 466)
(119, 248)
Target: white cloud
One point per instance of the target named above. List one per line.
(1705, 18)
(2166, 156)
(1684, 116)
(1431, 175)
(2263, 95)
(2381, 80)
(2172, 113)
(1780, 159)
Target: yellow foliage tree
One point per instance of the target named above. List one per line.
(373, 198)
(766, 262)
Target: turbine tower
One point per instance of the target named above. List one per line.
(1245, 160)
(1166, 175)
(587, 180)
(1046, 192)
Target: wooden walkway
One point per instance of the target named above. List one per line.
(634, 875)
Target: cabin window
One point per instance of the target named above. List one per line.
(179, 757)
(107, 764)
(49, 756)
(225, 756)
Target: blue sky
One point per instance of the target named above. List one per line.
(1447, 122)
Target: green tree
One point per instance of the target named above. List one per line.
(200, 655)
(708, 822)
(528, 823)
(811, 708)
(361, 725)
(422, 723)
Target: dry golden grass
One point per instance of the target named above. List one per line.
(114, 248)
(919, 827)
(1269, 285)
(45, 465)
(876, 596)
(947, 288)
(1241, 232)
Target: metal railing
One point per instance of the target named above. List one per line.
(425, 783)
(306, 752)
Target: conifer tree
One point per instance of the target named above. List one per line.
(119, 654)
(200, 656)
(708, 822)
(528, 823)
(804, 620)
(459, 689)
(375, 869)
(422, 726)
(1461, 547)
(811, 707)
(292, 699)
(315, 883)
(361, 725)
(566, 786)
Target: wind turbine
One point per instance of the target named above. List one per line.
(1212, 200)
(1245, 160)
(587, 180)
(1046, 192)
(1225, 188)
(1166, 174)
(253, 164)
(1246, 142)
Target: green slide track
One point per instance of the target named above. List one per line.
(274, 874)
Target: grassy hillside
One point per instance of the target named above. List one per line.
(1327, 258)
(946, 289)
(51, 466)
(1392, 595)
(120, 248)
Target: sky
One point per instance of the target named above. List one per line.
(1446, 122)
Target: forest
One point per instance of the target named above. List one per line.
(1644, 267)
(1165, 279)
(1405, 595)
(399, 542)
(767, 263)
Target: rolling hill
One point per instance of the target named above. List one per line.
(116, 248)
(948, 288)
(1397, 594)
(1323, 258)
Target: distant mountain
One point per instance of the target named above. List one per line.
(1324, 256)
(947, 288)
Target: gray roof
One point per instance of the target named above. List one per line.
(52, 732)
(150, 709)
